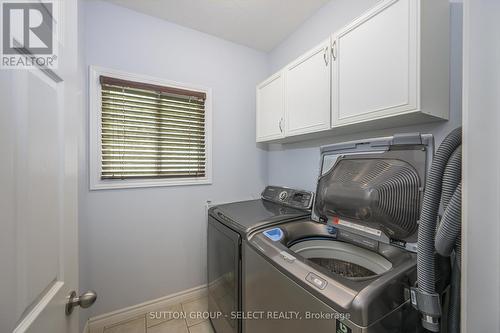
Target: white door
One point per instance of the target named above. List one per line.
(375, 64)
(38, 192)
(270, 108)
(307, 92)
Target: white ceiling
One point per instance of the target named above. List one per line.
(259, 24)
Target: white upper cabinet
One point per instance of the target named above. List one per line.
(271, 108)
(387, 68)
(307, 92)
(392, 61)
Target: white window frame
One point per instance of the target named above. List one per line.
(95, 158)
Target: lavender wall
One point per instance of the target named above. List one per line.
(141, 244)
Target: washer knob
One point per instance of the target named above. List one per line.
(283, 195)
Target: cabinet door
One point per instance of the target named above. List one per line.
(375, 64)
(307, 92)
(270, 108)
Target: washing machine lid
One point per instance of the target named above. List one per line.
(375, 186)
(245, 216)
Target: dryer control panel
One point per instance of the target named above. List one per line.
(289, 197)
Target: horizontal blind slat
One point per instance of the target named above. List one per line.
(141, 105)
(110, 96)
(111, 134)
(152, 116)
(116, 121)
(112, 128)
(165, 149)
(151, 173)
(174, 142)
(168, 117)
(118, 144)
(174, 146)
(105, 176)
(138, 162)
(153, 170)
(147, 87)
(151, 98)
(151, 167)
(120, 120)
(132, 151)
(174, 170)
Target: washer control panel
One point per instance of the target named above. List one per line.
(289, 197)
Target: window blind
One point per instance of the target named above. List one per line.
(151, 131)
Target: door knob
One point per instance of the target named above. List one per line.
(84, 300)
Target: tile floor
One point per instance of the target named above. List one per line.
(168, 320)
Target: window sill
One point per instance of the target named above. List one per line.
(146, 183)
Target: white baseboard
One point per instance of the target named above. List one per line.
(97, 324)
(86, 327)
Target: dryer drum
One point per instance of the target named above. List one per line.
(378, 191)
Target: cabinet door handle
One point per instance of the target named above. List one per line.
(334, 50)
(281, 125)
(326, 55)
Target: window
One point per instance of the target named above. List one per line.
(147, 132)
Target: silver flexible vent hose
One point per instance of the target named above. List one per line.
(443, 186)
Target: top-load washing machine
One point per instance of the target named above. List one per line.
(351, 265)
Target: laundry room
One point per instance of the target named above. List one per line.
(250, 166)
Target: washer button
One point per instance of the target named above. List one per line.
(316, 281)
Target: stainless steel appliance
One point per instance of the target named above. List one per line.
(228, 227)
(350, 266)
